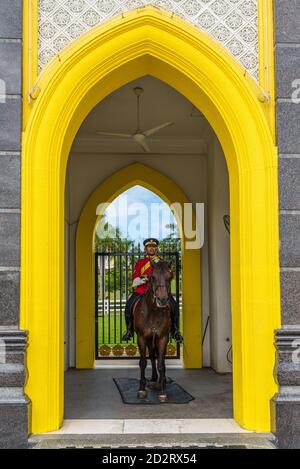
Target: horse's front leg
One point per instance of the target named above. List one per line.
(162, 347)
(154, 376)
(142, 393)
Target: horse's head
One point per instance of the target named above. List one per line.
(160, 281)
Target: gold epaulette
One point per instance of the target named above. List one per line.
(147, 265)
(155, 258)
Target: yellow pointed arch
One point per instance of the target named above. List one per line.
(106, 192)
(149, 42)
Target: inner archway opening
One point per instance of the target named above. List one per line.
(134, 216)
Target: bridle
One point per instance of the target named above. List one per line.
(152, 289)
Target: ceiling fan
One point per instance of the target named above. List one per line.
(138, 135)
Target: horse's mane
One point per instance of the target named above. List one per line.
(162, 264)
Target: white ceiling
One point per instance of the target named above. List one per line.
(159, 103)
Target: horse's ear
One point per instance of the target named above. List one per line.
(170, 264)
(153, 264)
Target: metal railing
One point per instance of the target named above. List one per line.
(113, 286)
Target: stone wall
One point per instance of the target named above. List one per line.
(13, 403)
(287, 55)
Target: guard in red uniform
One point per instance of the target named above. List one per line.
(140, 277)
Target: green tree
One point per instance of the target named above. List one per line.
(111, 240)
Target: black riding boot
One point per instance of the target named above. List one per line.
(175, 320)
(129, 332)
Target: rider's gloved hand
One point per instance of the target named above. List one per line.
(139, 281)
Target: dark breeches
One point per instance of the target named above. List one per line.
(129, 304)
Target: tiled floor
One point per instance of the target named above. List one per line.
(92, 394)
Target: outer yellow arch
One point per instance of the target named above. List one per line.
(123, 49)
(107, 191)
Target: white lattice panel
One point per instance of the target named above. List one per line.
(232, 22)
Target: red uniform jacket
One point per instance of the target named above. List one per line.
(142, 267)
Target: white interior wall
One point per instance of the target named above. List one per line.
(219, 258)
(87, 170)
(67, 274)
(72, 298)
(206, 347)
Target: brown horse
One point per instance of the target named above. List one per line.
(151, 322)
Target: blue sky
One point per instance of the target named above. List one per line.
(140, 214)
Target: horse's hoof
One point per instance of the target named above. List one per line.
(162, 397)
(142, 394)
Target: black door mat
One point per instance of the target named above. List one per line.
(128, 388)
